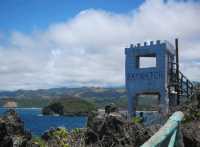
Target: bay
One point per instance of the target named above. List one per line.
(35, 122)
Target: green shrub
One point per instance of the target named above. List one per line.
(38, 141)
(136, 120)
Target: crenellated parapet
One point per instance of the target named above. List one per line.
(146, 44)
(151, 45)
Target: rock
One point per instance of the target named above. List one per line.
(112, 129)
(191, 134)
(14, 125)
(191, 125)
(111, 108)
(6, 141)
(12, 132)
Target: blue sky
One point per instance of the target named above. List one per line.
(26, 15)
(56, 43)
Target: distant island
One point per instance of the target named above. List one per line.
(69, 106)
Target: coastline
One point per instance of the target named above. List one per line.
(20, 108)
(41, 114)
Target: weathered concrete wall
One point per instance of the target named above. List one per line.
(148, 80)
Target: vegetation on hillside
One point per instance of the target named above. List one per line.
(69, 106)
(41, 98)
(32, 102)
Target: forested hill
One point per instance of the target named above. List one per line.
(39, 98)
(56, 92)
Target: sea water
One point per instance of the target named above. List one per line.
(35, 122)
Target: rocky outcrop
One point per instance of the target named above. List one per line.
(191, 134)
(191, 125)
(104, 129)
(12, 132)
(112, 129)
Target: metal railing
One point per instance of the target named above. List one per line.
(184, 86)
(169, 135)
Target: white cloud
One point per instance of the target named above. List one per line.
(89, 48)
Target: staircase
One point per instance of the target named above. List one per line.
(180, 88)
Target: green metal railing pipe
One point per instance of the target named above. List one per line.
(170, 131)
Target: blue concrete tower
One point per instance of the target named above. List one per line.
(147, 77)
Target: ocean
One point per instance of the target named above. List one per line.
(35, 122)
